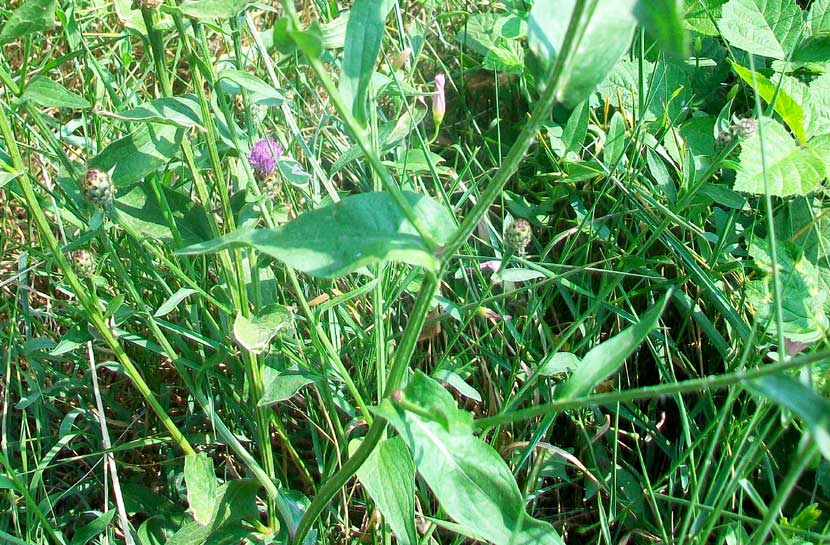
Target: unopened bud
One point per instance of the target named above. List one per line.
(401, 58)
(83, 262)
(439, 99)
(518, 234)
(98, 188)
(148, 4)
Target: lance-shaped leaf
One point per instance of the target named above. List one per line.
(472, 482)
(605, 358)
(51, 94)
(388, 474)
(340, 238)
(201, 486)
(606, 37)
(364, 34)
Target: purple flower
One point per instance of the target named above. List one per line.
(439, 101)
(264, 156)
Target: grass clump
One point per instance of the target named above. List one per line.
(414, 272)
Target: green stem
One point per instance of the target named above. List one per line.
(92, 311)
(649, 392)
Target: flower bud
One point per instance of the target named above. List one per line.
(148, 4)
(83, 262)
(98, 188)
(744, 128)
(401, 58)
(439, 100)
(518, 234)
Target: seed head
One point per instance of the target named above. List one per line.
(439, 99)
(98, 188)
(264, 156)
(518, 234)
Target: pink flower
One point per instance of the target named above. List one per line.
(264, 156)
(439, 100)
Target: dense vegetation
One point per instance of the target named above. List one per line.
(415, 272)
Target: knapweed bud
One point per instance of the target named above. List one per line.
(83, 262)
(439, 99)
(264, 156)
(744, 128)
(518, 234)
(98, 188)
(148, 4)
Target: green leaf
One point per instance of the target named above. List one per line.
(364, 34)
(293, 172)
(819, 17)
(255, 334)
(802, 401)
(141, 210)
(140, 153)
(95, 528)
(785, 106)
(260, 92)
(173, 301)
(74, 338)
(201, 486)
(388, 475)
(615, 141)
(803, 295)
(282, 385)
(817, 105)
(51, 94)
(212, 9)
(233, 502)
(472, 482)
(181, 111)
(606, 38)
(31, 17)
(663, 20)
(791, 169)
(340, 238)
(605, 358)
(700, 15)
(770, 28)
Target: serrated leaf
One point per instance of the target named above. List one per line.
(803, 295)
(140, 153)
(785, 105)
(819, 17)
(701, 15)
(201, 486)
(770, 28)
(255, 334)
(51, 94)
(30, 17)
(364, 34)
(212, 9)
(606, 38)
(801, 400)
(340, 238)
(790, 169)
(604, 359)
(472, 482)
(388, 475)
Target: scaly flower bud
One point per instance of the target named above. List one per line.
(518, 234)
(148, 4)
(83, 262)
(98, 188)
(439, 100)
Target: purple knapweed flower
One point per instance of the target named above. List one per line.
(264, 156)
(439, 100)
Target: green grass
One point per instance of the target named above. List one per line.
(179, 372)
